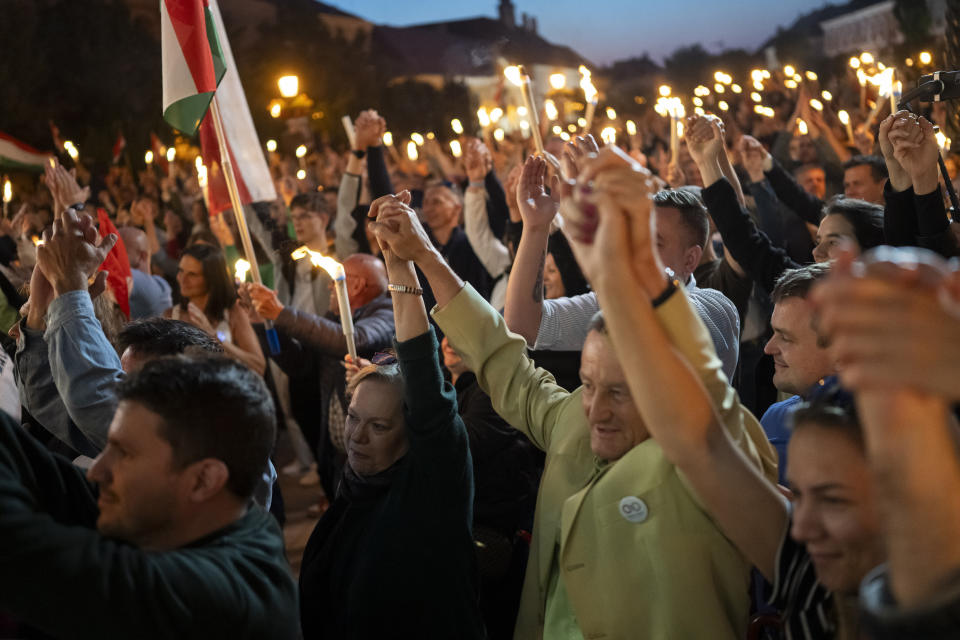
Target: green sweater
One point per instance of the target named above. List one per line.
(62, 577)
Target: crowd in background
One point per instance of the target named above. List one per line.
(599, 392)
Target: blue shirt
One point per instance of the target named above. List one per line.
(775, 423)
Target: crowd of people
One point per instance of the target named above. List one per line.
(598, 392)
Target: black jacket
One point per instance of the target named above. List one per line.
(398, 561)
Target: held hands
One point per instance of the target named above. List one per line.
(264, 300)
(892, 321)
(704, 136)
(398, 230)
(915, 148)
(369, 129)
(610, 223)
(71, 252)
(537, 207)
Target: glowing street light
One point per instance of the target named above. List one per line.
(289, 86)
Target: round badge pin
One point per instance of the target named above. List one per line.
(633, 509)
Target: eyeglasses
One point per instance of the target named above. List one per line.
(383, 359)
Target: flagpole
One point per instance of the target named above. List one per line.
(226, 166)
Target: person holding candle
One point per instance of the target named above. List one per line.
(394, 555)
(209, 301)
(313, 348)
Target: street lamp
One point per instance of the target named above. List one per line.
(289, 86)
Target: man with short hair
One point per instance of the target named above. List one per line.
(800, 357)
(561, 324)
(161, 541)
(864, 177)
(813, 179)
(143, 340)
(150, 295)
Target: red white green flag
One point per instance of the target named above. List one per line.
(192, 62)
(18, 155)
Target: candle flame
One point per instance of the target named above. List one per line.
(802, 127)
(455, 148)
(844, 116)
(241, 269)
(609, 135)
(388, 138)
(550, 108)
(631, 127)
(36, 241)
(514, 74)
(589, 91)
(483, 117)
(457, 126)
(816, 104)
(412, 150)
(611, 113)
(148, 157)
(7, 190)
(416, 137)
(333, 268)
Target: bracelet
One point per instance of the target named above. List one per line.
(359, 153)
(672, 287)
(402, 288)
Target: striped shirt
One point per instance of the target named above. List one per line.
(806, 606)
(563, 326)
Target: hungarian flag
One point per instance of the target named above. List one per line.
(18, 155)
(118, 147)
(254, 182)
(193, 62)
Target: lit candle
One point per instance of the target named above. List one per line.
(845, 119)
(457, 126)
(590, 94)
(7, 196)
(171, 156)
(241, 269)
(335, 270)
(518, 77)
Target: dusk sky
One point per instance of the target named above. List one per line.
(608, 30)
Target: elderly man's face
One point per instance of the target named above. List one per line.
(615, 423)
(440, 208)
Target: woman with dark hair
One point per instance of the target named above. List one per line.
(561, 273)
(393, 556)
(848, 222)
(209, 301)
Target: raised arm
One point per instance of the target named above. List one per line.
(526, 397)
(887, 323)
(524, 305)
(750, 247)
(671, 392)
(492, 253)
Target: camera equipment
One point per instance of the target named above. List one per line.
(937, 87)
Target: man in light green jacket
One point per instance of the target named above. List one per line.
(621, 546)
